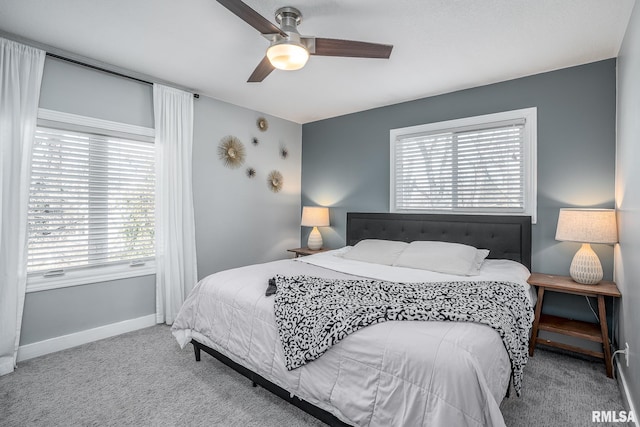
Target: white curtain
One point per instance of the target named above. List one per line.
(20, 77)
(176, 271)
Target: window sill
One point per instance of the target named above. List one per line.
(88, 276)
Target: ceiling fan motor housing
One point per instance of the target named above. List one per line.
(289, 18)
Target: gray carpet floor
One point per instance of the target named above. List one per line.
(143, 378)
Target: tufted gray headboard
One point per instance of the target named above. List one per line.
(507, 237)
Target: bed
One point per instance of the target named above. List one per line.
(388, 373)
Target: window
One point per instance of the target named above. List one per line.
(480, 165)
(91, 199)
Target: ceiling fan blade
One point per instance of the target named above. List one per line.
(261, 72)
(350, 48)
(251, 17)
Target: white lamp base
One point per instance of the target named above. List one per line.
(585, 267)
(315, 239)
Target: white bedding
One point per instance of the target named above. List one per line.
(392, 373)
(492, 269)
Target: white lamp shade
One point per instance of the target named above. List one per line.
(315, 216)
(587, 226)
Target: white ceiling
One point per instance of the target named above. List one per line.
(439, 45)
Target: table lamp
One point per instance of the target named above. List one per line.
(315, 217)
(587, 226)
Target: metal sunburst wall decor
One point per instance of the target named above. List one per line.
(255, 141)
(284, 152)
(275, 181)
(262, 124)
(251, 172)
(231, 151)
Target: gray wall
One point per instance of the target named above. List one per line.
(238, 220)
(628, 201)
(345, 160)
(79, 90)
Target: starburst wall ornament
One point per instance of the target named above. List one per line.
(275, 181)
(262, 124)
(231, 152)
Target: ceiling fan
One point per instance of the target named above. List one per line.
(288, 50)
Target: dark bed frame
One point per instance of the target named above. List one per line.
(507, 237)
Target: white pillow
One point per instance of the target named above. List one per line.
(376, 251)
(443, 257)
(481, 254)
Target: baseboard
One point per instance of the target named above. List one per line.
(626, 396)
(40, 348)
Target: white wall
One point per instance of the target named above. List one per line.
(627, 266)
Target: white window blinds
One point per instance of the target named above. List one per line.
(91, 201)
(479, 168)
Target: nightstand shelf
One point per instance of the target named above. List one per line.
(573, 328)
(595, 332)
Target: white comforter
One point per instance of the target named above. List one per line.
(388, 374)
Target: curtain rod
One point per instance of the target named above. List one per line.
(115, 73)
(91, 63)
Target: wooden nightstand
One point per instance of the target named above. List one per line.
(306, 251)
(574, 328)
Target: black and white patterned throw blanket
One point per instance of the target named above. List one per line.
(313, 313)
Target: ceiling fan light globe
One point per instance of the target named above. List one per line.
(287, 56)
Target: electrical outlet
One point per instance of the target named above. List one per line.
(626, 353)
